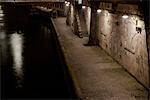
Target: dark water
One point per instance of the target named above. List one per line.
(31, 65)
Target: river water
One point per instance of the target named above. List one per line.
(30, 61)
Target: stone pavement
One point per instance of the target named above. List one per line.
(95, 74)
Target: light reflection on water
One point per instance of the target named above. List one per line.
(16, 42)
(1, 24)
(1, 11)
(1, 14)
(1, 18)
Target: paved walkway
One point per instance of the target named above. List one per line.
(95, 74)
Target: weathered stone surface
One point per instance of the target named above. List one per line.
(95, 74)
(79, 20)
(87, 14)
(121, 39)
(128, 8)
(72, 16)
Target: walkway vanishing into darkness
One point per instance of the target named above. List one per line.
(33, 65)
(96, 75)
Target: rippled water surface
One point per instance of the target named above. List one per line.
(30, 61)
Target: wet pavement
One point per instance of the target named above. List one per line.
(31, 64)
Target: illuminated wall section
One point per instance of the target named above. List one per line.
(72, 16)
(87, 13)
(125, 40)
(79, 1)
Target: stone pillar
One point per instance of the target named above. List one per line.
(68, 22)
(76, 30)
(93, 38)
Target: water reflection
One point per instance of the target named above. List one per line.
(16, 42)
(1, 11)
(32, 67)
(1, 18)
(3, 48)
(2, 35)
(1, 24)
(1, 14)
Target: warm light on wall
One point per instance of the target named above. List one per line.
(125, 16)
(99, 11)
(79, 1)
(66, 2)
(83, 7)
